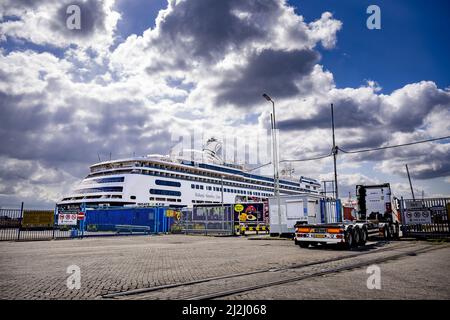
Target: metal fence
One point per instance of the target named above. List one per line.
(426, 218)
(208, 220)
(226, 219)
(26, 224)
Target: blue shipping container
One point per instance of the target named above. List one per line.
(107, 219)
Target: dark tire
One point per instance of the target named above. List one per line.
(363, 235)
(396, 234)
(386, 232)
(313, 244)
(303, 245)
(356, 237)
(349, 239)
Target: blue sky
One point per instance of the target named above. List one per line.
(411, 45)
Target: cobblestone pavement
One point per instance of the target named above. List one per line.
(37, 270)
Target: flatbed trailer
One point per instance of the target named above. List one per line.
(348, 233)
(376, 219)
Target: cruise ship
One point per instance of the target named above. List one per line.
(175, 181)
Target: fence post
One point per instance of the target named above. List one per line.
(55, 214)
(21, 217)
(206, 223)
(402, 216)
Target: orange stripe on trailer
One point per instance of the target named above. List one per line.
(334, 230)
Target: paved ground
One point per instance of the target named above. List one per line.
(418, 277)
(37, 270)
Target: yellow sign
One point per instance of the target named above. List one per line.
(251, 217)
(173, 214)
(238, 207)
(170, 213)
(38, 219)
(243, 217)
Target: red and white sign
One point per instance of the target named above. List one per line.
(80, 215)
(67, 219)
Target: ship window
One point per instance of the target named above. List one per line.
(112, 179)
(167, 183)
(133, 197)
(197, 186)
(192, 186)
(165, 192)
(102, 189)
(201, 187)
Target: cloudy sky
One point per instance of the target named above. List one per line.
(139, 72)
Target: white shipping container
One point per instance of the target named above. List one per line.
(298, 208)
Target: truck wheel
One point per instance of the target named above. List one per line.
(396, 234)
(303, 245)
(387, 232)
(363, 235)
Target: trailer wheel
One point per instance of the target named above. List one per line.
(363, 236)
(356, 237)
(303, 245)
(349, 239)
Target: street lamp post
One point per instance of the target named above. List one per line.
(275, 158)
(335, 151)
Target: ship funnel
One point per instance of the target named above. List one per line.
(212, 150)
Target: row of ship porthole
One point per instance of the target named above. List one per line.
(250, 193)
